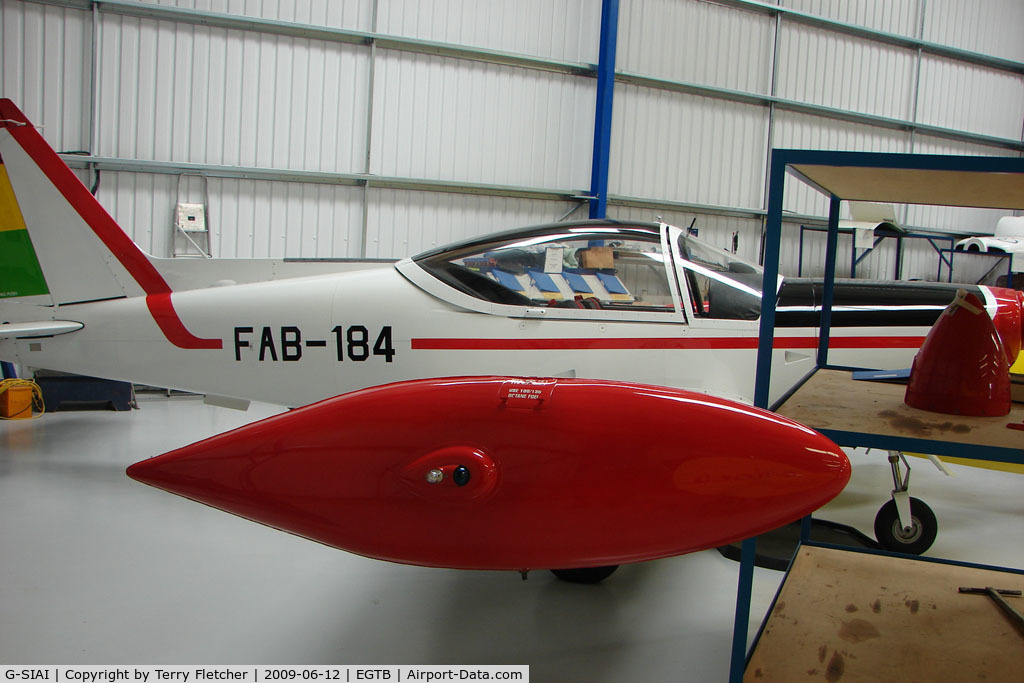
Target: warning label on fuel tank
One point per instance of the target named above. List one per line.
(526, 393)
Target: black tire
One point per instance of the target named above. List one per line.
(585, 574)
(891, 535)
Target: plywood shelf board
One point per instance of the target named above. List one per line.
(845, 616)
(831, 400)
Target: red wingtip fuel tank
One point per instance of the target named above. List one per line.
(501, 473)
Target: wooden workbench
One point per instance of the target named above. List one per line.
(848, 616)
(834, 403)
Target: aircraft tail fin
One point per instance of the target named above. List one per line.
(64, 248)
(57, 243)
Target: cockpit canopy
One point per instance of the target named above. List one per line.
(644, 268)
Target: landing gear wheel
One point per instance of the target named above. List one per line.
(891, 534)
(585, 574)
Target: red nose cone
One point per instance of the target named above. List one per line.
(961, 368)
(498, 473)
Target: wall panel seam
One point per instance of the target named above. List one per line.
(816, 110)
(896, 39)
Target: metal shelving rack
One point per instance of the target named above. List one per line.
(856, 259)
(945, 180)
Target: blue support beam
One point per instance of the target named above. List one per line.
(769, 289)
(831, 248)
(603, 110)
(741, 622)
(766, 339)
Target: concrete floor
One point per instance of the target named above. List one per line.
(97, 568)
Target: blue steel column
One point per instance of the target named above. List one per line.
(772, 248)
(831, 248)
(741, 622)
(603, 111)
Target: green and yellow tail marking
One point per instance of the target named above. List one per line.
(20, 274)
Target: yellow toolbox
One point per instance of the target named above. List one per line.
(16, 403)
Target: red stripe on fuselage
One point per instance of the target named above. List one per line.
(672, 343)
(170, 324)
(106, 229)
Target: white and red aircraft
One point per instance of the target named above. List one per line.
(605, 300)
(599, 299)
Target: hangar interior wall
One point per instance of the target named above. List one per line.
(380, 128)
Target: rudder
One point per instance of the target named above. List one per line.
(20, 272)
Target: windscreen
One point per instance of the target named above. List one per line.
(721, 285)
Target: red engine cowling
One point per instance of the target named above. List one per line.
(962, 367)
(1009, 320)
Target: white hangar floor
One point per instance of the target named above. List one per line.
(98, 569)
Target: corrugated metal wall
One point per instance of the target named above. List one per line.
(450, 119)
(678, 147)
(991, 27)
(562, 29)
(47, 68)
(697, 42)
(902, 17)
(248, 218)
(413, 221)
(213, 96)
(844, 72)
(689, 147)
(424, 122)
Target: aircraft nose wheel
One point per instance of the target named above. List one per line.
(913, 541)
(904, 524)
